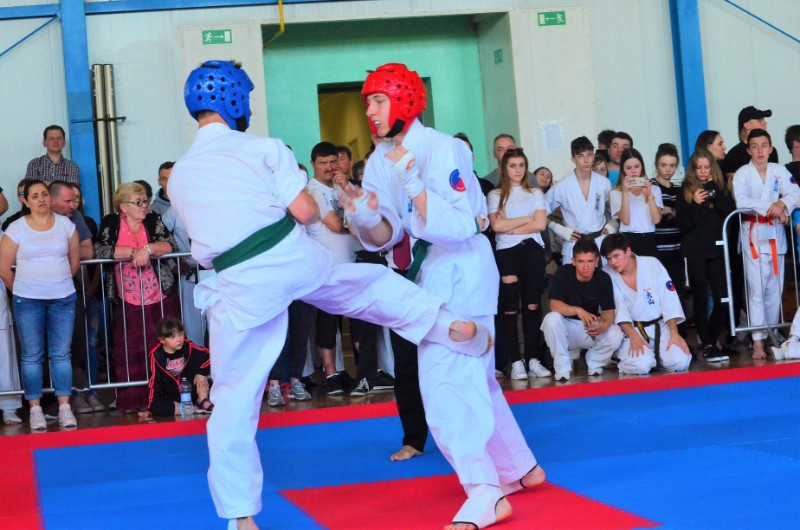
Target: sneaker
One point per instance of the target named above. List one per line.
(536, 369)
(333, 385)
(562, 376)
(595, 371)
(275, 396)
(65, 417)
(776, 337)
(95, 403)
(10, 417)
(112, 405)
(81, 406)
(712, 354)
(518, 371)
(382, 381)
(363, 389)
(37, 421)
(347, 380)
(298, 392)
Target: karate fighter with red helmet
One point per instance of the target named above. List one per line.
(421, 181)
(264, 260)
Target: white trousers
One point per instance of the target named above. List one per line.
(469, 417)
(764, 289)
(241, 362)
(672, 358)
(565, 335)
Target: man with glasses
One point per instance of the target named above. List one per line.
(53, 165)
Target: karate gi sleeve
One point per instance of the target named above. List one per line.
(376, 179)
(621, 313)
(670, 303)
(289, 180)
(450, 215)
(746, 197)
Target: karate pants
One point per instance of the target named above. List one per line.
(468, 416)
(242, 359)
(793, 349)
(764, 289)
(565, 335)
(673, 358)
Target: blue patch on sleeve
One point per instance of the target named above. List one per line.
(456, 182)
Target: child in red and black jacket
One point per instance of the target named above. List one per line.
(175, 358)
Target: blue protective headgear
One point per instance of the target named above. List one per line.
(222, 87)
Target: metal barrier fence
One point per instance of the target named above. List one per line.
(95, 319)
(731, 246)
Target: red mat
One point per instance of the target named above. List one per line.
(547, 507)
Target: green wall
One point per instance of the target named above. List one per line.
(444, 49)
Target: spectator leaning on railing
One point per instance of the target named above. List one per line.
(138, 287)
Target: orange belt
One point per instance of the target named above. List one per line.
(773, 243)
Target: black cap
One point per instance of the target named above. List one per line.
(752, 113)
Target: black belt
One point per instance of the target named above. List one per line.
(640, 325)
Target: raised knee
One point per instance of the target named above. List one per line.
(509, 279)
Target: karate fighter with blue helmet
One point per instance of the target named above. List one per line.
(241, 198)
(420, 181)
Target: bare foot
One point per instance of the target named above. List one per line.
(465, 331)
(502, 511)
(758, 350)
(405, 453)
(534, 477)
(246, 523)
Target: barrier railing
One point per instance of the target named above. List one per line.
(730, 247)
(95, 320)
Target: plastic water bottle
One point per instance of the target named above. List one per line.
(187, 407)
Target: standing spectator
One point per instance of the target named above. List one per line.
(518, 215)
(293, 354)
(45, 248)
(637, 204)
(702, 205)
(792, 139)
(600, 165)
(23, 208)
(750, 118)
(620, 141)
(53, 165)
(768, 190)
(9, 370)
(502, 143)
(604, 138)
(712, 142)
(161, 201)
(142, 294)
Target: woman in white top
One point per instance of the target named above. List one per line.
(637, 204)
(518, 215)
(45, 248)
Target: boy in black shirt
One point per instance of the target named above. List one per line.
(175, 358)
(581, 313)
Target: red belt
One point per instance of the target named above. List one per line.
(762, 220)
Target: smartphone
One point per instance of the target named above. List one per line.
(639, 182)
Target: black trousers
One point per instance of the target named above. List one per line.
(295, 349)
(705, 274)
(643, 244)
(366, 333)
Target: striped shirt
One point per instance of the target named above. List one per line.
(43, 168)
(668, 237)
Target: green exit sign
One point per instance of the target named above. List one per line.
(553, 18)
(217, 36)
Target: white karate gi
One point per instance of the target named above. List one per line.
(585, 215)
(764, 287)
(654, 297)
(9, 369)
(226, 187)
(468, 416)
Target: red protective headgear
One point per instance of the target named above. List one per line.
(404, 88)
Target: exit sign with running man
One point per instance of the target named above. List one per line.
(553, 18)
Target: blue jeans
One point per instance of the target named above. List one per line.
(54, 320)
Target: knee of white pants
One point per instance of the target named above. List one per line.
(554, 322)
(675, 359)
(793, 350)
(641, 364)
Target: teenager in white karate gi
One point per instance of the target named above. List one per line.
(647, 310)
(421, 181)
(264, 260)
(583, 198)
(582, 311)
(769, 190)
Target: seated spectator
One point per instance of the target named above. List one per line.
(637, 204)
(581, 313)
(53, 165)
(767, 189)
(703, 204)
(518, 215)
(23, 208)
(647, 310)
(141, 294)
(176, 358)
(45, 248)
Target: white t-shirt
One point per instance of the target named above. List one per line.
(640, 213)
(340, 244)
(520, 202)
(43, 271)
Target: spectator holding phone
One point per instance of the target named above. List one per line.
(637, 204)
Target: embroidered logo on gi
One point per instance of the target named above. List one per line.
(775, 185)
(649, 297)
(455, 181)
(411, 163)
(670, 286)
(597, 202)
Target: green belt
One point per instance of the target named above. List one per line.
(256, 243)
(418, 253)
